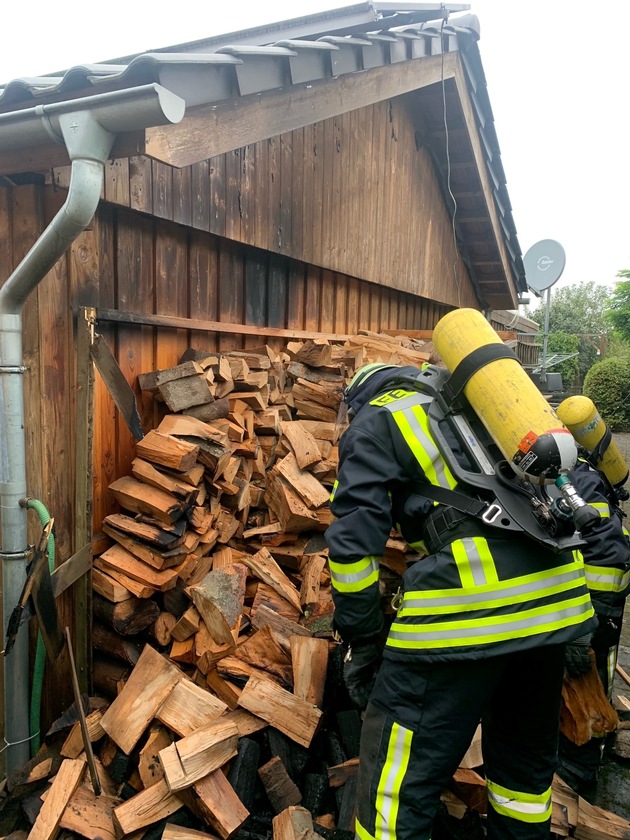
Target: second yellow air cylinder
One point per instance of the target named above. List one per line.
(582, 418)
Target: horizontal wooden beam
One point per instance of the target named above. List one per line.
(427, 335)
(67, 573)
(42, 158)
(217, 128)
(177, 323)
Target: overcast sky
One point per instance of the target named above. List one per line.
(557, 75)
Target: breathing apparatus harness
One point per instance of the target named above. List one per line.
(497, 497)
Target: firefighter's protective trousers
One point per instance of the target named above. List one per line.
(480, 632)
(420, 722)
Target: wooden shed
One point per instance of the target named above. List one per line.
(332, 173)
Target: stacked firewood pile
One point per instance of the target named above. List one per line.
(220, 709)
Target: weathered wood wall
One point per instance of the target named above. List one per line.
(352, 194)
(131, 262)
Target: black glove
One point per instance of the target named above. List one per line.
(360, 664)
(577, 659)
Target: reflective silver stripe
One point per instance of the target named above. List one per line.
(474, 561)
(509, 803)
(392, 775)
(355, 577)
(606, 577)
(458, 599)
(407, 402)
(506, 625)
(429, 447)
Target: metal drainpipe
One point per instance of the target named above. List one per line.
(88, 144)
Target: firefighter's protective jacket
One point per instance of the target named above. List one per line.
(607, 553)
(480, 595)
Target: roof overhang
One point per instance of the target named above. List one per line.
(246, 91)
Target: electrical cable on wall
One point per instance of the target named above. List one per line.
(448, 160)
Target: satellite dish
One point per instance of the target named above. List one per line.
(544, 264)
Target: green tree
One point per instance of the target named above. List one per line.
(618, 313)
(578, 310)
(562, 342)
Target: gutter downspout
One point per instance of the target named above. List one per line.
(88, 128)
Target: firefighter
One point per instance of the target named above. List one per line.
(607, 566)
(480, 631)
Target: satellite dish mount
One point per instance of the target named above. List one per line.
(544, 264)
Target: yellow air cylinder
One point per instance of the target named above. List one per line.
(582, 419)
(505, 399)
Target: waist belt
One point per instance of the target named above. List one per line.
(445, 525)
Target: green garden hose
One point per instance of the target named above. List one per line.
(40, 653)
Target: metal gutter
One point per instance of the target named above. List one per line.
(88, 128)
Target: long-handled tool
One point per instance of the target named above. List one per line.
(87, 744)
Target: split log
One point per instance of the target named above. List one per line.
(261, 650)
(293, 514)
(187, 625)
(192, 758)
(292, 823)
(109, 588)
(282, 628)
(263, 566)
(182, 394)
(311, 571)
(90, 816)
(150, 683)
(291, 715)
(111, 643)
(179, 832)
(279, 787)
(189, 707)
(168, 451)
(118, 559)
(302, 442)
(309, 659)
(140, 498)
(127, 617)
(152, 380)
(339, 774)
(158, 537)
(219, 599)
(151, 555)
(185, 425)
(585, 710)
(65, 783)
(149, 767)
(266, 596)
(208, 412)
(162, 628)
(219, 805)
(147, 807)
(308, 488)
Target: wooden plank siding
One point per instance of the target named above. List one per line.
(352, 194)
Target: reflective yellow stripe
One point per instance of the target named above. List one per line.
(390, 782)
(414, 427)
(360, 832)
(602, 508)
(334, 490)
(525, 807)
(606, 578)
(354, 577)
(488, 630)
(474, 561)
(502, 593)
